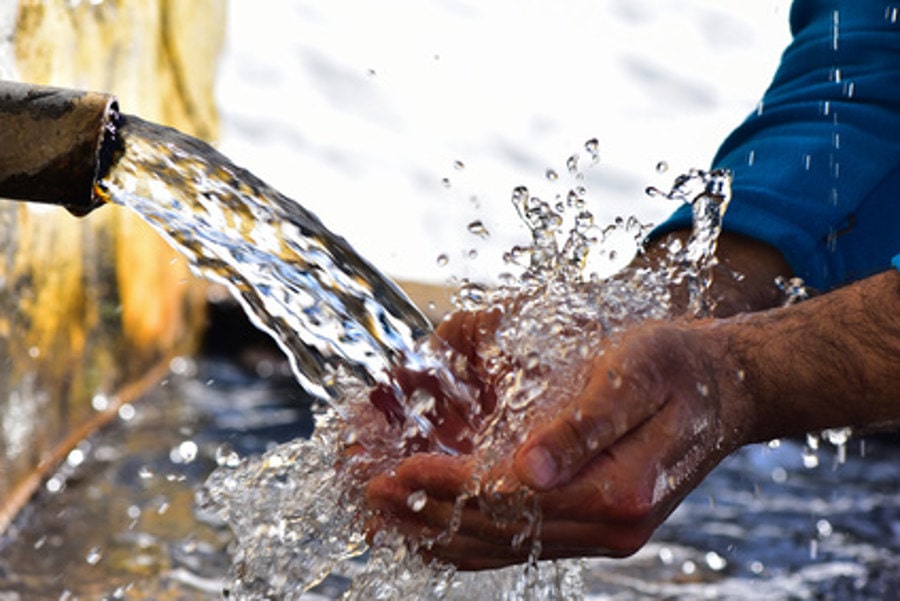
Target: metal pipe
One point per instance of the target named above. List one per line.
(55, 144)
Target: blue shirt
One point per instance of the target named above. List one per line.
(817, 168)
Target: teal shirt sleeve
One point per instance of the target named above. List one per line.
(817, 168)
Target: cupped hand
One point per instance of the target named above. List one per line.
(458, 391)
(659, 410)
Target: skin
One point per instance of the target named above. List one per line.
(660, 410)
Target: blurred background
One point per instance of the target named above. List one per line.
(400, 123)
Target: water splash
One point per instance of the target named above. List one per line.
(297, 512)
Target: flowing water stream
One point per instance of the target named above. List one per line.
(293, 511)
(297, 510)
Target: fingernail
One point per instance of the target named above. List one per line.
(540, 467)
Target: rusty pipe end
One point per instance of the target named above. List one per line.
(56, 144)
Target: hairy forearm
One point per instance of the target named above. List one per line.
(828, 362)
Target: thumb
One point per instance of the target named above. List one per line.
(621, 392)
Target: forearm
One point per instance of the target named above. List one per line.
(743, 281)
(829, 362)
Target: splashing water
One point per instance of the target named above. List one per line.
(297, 511)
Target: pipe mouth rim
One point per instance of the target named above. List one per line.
(107, 150)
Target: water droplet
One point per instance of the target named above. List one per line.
(188, 450)
(55, 484)
(715, 561)
(459, 165)
(478, 228)
(443, 260)
(810, 458)
(75, 457)
(837, 437)
(614, 378)
(100, 402)
(520, 195)
(662, 167)
(445, 182)
(779, 475)
(472, 254)
(126, 412)
(417, 500)
(551, 175)
(572, 164)
(812, 441)
(227, 456)
(94, 556)
(592, 147)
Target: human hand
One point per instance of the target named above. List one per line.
(459, 391)
(659, 410)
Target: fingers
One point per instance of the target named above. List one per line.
(425, 502)
(626, 386)
(597, 417)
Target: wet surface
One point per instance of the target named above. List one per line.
(118, 520)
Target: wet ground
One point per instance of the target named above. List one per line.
(118, 520)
